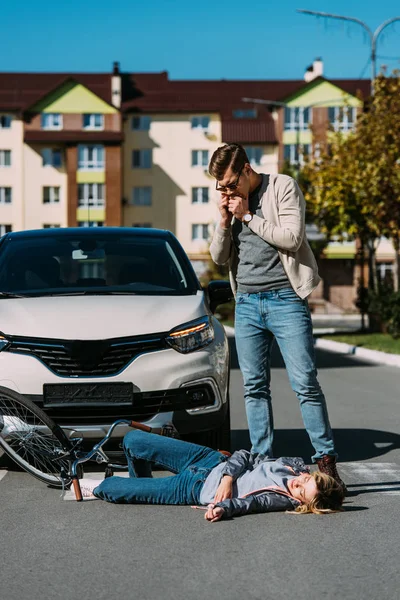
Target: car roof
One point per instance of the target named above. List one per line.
(90, 231)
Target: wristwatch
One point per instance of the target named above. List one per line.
(247, 217)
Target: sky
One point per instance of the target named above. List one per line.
(212, 39)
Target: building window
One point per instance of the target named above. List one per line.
(91, 157)
(140, 123)
(5, 195)
(51, 121)
(146, 225)
(245, 113)
(5, 121)
(90, 223)
(342, 118)
(200, 231)
(51, 158)
(142, 159)
(93, 121)
(91, 194)
(51, 226)
(142, 196)
(5, 229)
(51, 195)
(297, 118)
(202, 123)
(200, 195)
(295, 154)
(254, 154)
(5, 158)
(199, 158)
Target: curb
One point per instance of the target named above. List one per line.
(374, 356)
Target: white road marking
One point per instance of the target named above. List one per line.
(379, 477)
(368, 476)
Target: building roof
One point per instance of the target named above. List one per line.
(156, 93)
(20, 91)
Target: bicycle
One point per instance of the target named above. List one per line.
(41, 448)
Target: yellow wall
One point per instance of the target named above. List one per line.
(323, 93)
(92, 214)
(294, 137)
(73, 98)
(90, 176)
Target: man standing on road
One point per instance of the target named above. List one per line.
(261, 234)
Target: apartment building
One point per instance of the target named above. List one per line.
(60, 150)
(133, 149)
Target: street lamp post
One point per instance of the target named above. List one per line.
(373, 35)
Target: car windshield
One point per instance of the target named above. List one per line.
(98, 263)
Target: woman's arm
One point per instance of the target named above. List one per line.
(291, 210)
(240, 461)
(257, 503)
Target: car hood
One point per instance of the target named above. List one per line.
(97, 317)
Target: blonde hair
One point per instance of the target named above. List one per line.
(328, 499)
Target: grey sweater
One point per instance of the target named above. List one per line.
(259, 268)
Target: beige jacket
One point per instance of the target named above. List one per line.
(283, 226)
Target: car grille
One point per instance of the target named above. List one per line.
(87, 358)
(144, 406)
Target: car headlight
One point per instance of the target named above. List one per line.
(191, 336)
(3, 342)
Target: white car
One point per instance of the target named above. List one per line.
(98, 324)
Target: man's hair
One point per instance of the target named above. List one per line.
(329, 498)
(230, 155)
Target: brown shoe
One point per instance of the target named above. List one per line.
(327, 465)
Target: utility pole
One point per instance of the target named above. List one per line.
(373, 35)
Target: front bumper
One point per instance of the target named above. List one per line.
(154, 375)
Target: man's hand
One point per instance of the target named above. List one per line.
(238, 206)
(226, 216)
(214, 513)
(224, 489)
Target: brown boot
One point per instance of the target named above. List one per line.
(327, 465)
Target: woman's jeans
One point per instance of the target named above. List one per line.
(191, 462)
(280, 314)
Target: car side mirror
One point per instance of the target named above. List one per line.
(219, 292)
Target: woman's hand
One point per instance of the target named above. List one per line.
(224, 490)
(214, 513)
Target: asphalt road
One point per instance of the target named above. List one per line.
(54, 549)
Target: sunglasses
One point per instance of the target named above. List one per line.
(231, 186)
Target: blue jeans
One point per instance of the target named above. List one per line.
(191, 462)
(279, 314)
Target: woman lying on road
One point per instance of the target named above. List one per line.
(228, 487)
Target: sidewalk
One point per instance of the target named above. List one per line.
(380, 358)
(342, 324)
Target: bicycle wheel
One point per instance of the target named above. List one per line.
(33, 440)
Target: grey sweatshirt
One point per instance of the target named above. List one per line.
(252, 475)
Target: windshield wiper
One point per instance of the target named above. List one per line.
(87, 293)
(11, 295)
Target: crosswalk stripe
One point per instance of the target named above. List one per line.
(3, 474)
